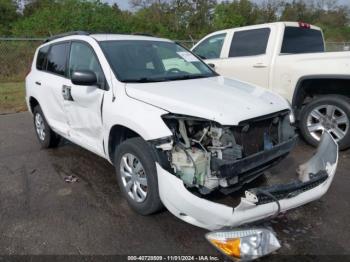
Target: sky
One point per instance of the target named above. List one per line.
(124, 4)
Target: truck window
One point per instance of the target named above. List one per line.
(298, 40)
(211, 47)
(249, 42)
(57, 59)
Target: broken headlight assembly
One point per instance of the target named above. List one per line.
(244, 244)
(208, 156)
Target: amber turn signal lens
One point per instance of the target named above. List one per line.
(230, 247)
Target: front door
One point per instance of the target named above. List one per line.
(83, 104)
(210, 50)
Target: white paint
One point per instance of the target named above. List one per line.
(139, 107)
(278, 72)
(224, 100)
(212, 216)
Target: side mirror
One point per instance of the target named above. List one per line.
(84, 78)
(211, 65)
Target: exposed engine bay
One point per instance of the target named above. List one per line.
(208, 156)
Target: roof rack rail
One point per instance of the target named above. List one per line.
(66, 34)
(142, 34)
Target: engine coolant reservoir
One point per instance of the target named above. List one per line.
(191, 171)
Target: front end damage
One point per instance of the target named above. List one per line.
(203, 157)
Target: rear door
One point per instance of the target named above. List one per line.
(83, 104)
(50, 79)
(248, 57)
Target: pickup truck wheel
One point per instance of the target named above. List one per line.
(46, 136)
(137, 176)
(330, 113)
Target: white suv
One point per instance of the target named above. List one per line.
(174, 129)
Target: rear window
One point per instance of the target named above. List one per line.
(298, 40)
(41, 59)
(57, 59)
(249, 42)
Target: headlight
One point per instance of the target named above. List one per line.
(291, 114)
(291, 117)
(244, 244)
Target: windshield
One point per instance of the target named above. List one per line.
(153, 61)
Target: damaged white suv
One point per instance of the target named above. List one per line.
(175, 130)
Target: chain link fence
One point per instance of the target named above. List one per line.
(16, 55)
(337, 46)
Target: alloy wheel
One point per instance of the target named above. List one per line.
(40, 126)
(133, 177)
(330, 118)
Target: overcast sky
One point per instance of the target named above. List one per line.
(124, 4)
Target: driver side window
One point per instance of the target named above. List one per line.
(82, 57)
(211, 47)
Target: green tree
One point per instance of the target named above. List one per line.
(8, 14)
(31, 6)
(297, 11)
(153, 19)
(67, 15)
(235, 14)
(200, 21)
(269, 10)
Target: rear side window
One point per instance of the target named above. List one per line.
(249, 42)
(211, 47)
(57, 59)
(41, 59)
(298, 40)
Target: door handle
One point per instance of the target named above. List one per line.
(259, 65)
(38, 83)
(66, 93)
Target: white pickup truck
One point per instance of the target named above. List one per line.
(290, 59)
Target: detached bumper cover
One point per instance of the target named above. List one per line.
(315, 177)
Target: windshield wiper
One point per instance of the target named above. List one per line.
(164, 79)
(185, 77)
(145, 80)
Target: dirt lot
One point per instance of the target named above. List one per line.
(42, 214)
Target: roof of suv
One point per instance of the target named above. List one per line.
(111, 37)
(104, 37)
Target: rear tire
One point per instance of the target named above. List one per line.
(137, 175)
(46, 136)
(332, 113)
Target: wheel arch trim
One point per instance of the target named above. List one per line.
(299, 86)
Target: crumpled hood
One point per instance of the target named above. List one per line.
(224, 100)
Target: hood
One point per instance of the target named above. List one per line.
(224, 100)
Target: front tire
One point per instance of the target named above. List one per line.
(331, 113)
(137, 175)
(45, 135)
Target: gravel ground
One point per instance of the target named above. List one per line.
(41, 214)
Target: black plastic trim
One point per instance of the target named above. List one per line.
(289, 190)
(258, 161)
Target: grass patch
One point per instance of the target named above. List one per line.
(12, 97)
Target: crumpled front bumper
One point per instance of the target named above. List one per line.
(212, 216)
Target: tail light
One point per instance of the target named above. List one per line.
(28, 70)
(304, 25)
